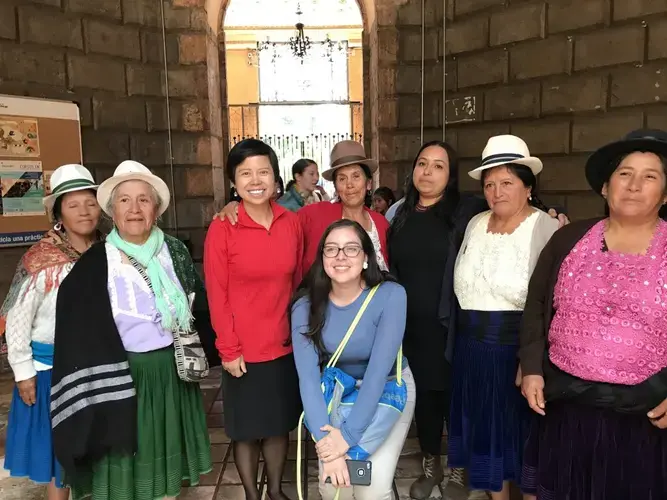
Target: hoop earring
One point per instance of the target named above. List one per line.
(58, 226)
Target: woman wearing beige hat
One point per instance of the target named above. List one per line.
(28, 318)
(489, 418)
(352, 174)
(127, 413)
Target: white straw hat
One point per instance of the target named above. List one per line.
(130, 170)
(66, 179)
(504, 149)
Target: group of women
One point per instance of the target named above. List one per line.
(542, 348)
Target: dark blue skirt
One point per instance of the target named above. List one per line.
(579, 452)
(29, 448)
(489, 417)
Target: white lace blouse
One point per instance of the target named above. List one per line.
(493, 270)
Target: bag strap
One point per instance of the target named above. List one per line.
(142, 271)
(339, 350)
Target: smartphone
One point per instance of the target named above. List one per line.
(360, 472)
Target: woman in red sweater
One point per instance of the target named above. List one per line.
(251, 270)
(352, 174)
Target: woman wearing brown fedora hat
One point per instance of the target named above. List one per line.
(352, 174)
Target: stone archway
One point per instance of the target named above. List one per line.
(215, 11)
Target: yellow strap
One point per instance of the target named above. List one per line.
(339, 350)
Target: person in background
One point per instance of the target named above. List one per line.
(391, 211)
(352, 174)
(324, 307)
(489, 418)
(252, 269)
(302, 189)
(125, 424)
(594, 336)
(28, 319)
(383, 198)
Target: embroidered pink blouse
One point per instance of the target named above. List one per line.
(611, 311)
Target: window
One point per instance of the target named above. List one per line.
(251, 13)
(322, 76)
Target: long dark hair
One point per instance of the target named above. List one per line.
(527, 177)
(446, 207)
(316, 286)
(298, 168)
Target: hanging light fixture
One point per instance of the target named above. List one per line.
(300, 44)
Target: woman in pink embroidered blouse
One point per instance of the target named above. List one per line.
(594, 337)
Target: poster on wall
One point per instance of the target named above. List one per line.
(36, 137)
(22, 188)
(18, 137)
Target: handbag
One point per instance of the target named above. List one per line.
(340, 391)
(191, 362)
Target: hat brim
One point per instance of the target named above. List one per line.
(601, 164)
(371, 164)
(50, 200)
(106, 188)
(533, 163)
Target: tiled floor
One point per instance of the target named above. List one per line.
(223, 482)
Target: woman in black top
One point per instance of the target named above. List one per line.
(423, 241)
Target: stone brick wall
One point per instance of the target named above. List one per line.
(566, 75)
(107, 55)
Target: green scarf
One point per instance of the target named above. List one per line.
(163, 286)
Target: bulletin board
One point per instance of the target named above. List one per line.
(36, 137)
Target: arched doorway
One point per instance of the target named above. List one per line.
(217, 10)
(294, 75)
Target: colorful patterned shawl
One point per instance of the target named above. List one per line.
(50, 255)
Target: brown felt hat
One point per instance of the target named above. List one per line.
(347, 153)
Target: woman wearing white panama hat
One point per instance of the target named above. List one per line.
(28, 317)
(128, 418)
(489, 418)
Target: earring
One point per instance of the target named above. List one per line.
(365, 266)
(530, 197)
(58, 226)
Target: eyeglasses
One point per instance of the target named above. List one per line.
(332, 251)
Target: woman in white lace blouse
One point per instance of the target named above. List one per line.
(499, 251)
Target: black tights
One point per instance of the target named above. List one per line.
(431, 410)
(246, 455)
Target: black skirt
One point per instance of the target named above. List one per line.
(264, 402)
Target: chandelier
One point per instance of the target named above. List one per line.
(299, 43)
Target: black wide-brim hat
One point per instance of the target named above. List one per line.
(604, 161)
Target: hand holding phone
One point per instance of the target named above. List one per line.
(360, 472)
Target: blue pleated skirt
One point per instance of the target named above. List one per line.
(489, 419)
(29, 448)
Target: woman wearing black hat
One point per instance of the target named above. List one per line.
(594, 338)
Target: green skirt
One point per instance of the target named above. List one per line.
(172, 438)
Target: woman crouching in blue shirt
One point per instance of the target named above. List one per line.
(323, 309)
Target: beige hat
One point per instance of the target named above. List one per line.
(66, 179)
(347, 153)
(504, 149)
(130, 170)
